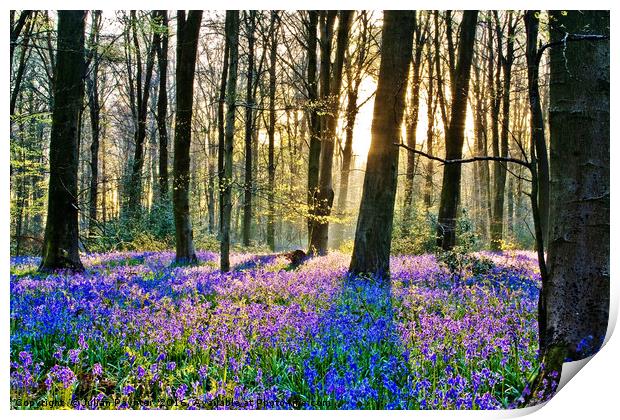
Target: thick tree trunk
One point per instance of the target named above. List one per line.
(232, 39)
(373, 236)
(578, 260)
(187, 46)
(271, 130)
(249, 120)
(60, 245)
(576, 298)
(324, 197)
(451, 186)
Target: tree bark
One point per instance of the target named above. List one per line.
(537, 124)
(451, 185)
(221, 123)
(271, 130)
(576, 298)
(142, 99)
(161, 42)
(25, 51)
(187, 46)
(92, 87)
(431, 107)
(497, 224)
(249, 120)
(232, 39)
(412, 124)
(314, 153)
(60, 244)
(324, 197)
(371, 249)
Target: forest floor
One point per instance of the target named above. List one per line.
(134, 331)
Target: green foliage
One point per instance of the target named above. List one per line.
(414, 234)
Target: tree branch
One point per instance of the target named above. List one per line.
(468, 160)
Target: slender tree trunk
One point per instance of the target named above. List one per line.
(142, 96)
(451, 186)
(60, 245)
(411, 128)
(271, 129)
(21, 68)
(440, 79)
(187, 46)
(371, 249)
(497, 224)
(232, 39)
(161, 43)
(221, 135)
(347, 157)
(249, 119)
(431, 106)
(92, 87)
(537, 124)
(324, 197)
(16, 29)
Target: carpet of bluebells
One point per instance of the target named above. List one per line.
(135, 331)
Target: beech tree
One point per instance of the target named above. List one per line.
(60, 244)
(373, 235)
(187, 46)
(232, 40)
(330, 92)
(575, 301)
(451, 184)
(142, 92)
(160, 40)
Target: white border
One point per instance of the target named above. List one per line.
(593, 395)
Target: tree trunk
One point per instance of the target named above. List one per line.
(347, 157)
(537, 124)
(497, 225)
(187, 46)
(412, 126)
(371, 249)
(161, 42)
(25, 51)
(451, 186)
(60, 245)
(271, 129)
(314, 153)
(324, 197)
(431, 107)
(249, 119)
(142, 99)
(232, 40)
(221, 123)
(92, 87)
(576, 298)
